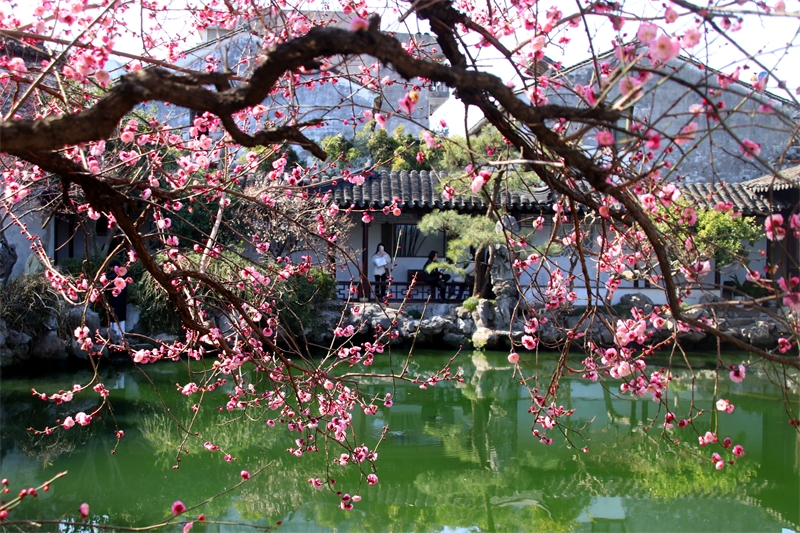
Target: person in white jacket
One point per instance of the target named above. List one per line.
(381, 261)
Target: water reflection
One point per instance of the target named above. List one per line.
(457, 456)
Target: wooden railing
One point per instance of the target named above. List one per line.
(399, 290)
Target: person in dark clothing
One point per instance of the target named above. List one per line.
(436, 278)
(118, 303)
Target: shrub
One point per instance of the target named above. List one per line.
(298, 298)
(75, 266)
(302, 298)
(470, 304)
(28, 303)
(156, 312)
(415, 313)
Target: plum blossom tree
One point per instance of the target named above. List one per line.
(72, 130)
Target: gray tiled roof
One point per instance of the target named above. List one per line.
(786, 179)
(421, 190)
(745, 199)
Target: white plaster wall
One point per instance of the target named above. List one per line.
(33, 221)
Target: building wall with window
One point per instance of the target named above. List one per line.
(665, 102)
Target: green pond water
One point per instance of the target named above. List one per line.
(458, 457)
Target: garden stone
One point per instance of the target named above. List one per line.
(380, 322)
(696, 314)
(134, 315)
(49, 346)
(433, 325)
(454, 340)
(19, 344)
(224, 325)
(51, 323)
(739, 322)
(758, 334)
(483, 314)
(691, 336)
(606, 336)
(166, 338)
(6, 357)
(463, 313)
(3, 333)
(485, 338)
(466, 326)
(74, 316)
(442, 310)
(637, 300)
(17, 338)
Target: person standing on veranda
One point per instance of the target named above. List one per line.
(380, 261)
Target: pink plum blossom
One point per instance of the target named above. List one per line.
(17, 64)
(84, 510)
(604, 138)
(102, 77)
(479, 181)
(528, 342)
(358, 24)
(538, 42)
(691, 38)
(178, 507)
(670, 15)
(513, 358)
(738, 373)
(750, 149)
(719, 464)
(430, 142)
(408, 102)
(647, 33)
(664, 49)
(687, 133)
(725, 406)
(629, 85)
(773, 226)
(653, 140)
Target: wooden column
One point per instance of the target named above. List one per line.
(366, 288)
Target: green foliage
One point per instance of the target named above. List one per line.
(462, 232)
(299, 297)
(302, 297)
(721, 236)
(28, 303)
(715, 234)
(457, 154)
(381, 147)
(339, 149)
(471, 304)
(396, 151)
(748, 288)
(195, 221)
(674, 473)
(415, 314)
(75, 266)
(157, 313)
(268, 155)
